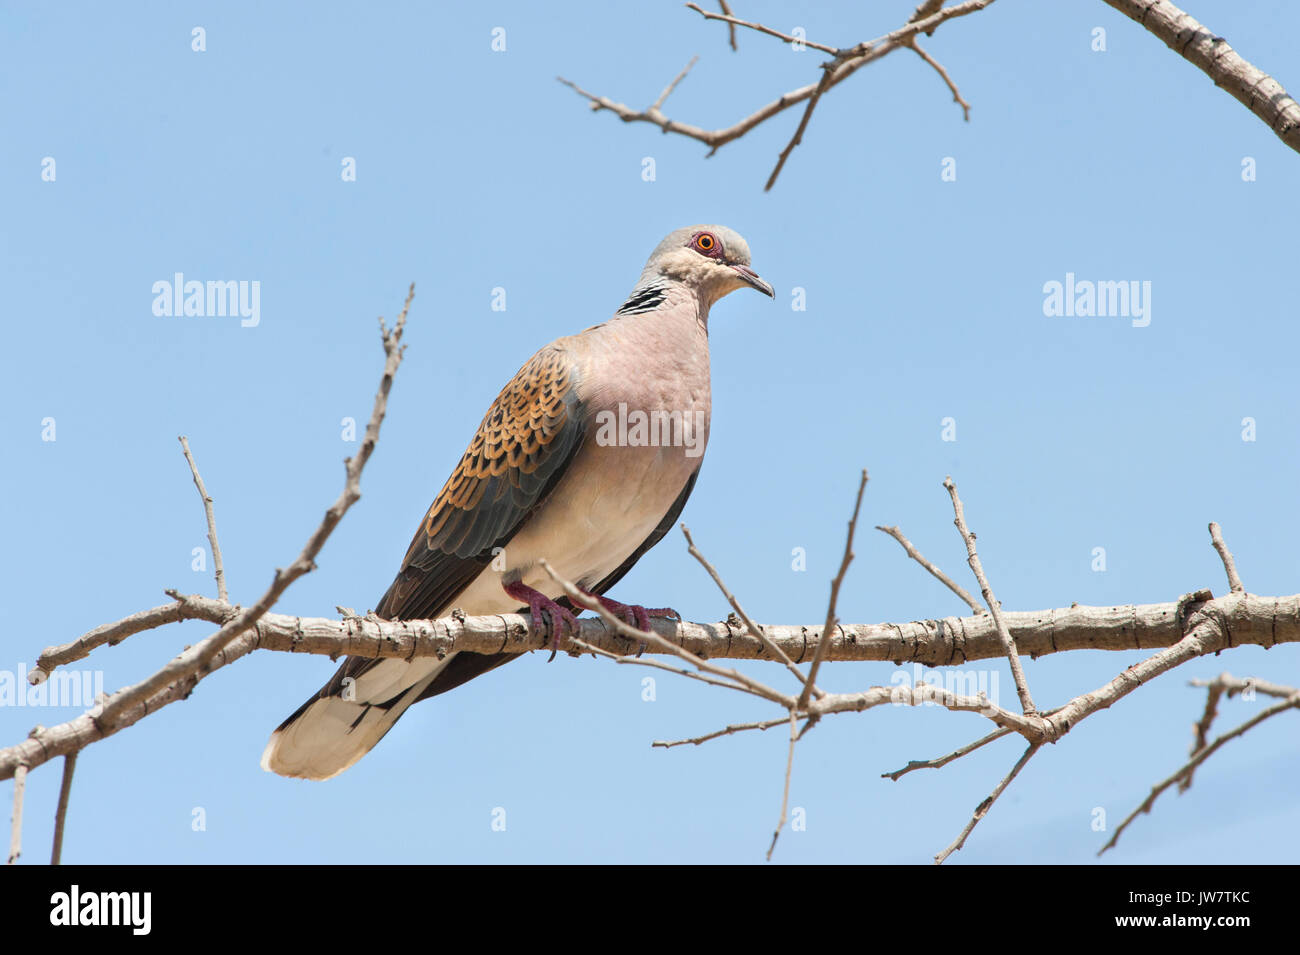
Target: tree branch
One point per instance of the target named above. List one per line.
(16, 822)
(943, 578)
(982, 809)
(755, 630)
(1229, 565)
(844, 63)
(1291, 702)
(1008, 642)
(733, 22)
(1252, 87)
(218, 572)
(61, 813)
(831, 619)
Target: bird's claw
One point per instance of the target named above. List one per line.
(538, 603)
(637, 615)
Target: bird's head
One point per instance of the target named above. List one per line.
(711, 260)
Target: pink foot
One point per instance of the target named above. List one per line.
(635, 614)
(538, 602)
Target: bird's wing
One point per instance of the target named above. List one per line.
(529, 435)
(464, 667)
(526, 440)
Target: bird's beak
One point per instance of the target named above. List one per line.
(750, 278)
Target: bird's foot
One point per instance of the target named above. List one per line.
(560, 617)
(635, 614)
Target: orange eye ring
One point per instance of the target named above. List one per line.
(706, 243)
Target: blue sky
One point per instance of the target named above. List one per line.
(476, 170)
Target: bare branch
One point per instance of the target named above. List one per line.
(942, 761)
(843, 64)
(943, 578)
(1234, 685)
(114, 633)
(831, 620)
(927, 8)
(938, 67)
(785, 794)
(727, 18)
(725, 731)
(668, 90)
(1239, 619)
(797, 138)
(61, 814)
(16, 825)
(197, 658)
(658, 665)
(1292, 702)
(1225, 555)
(753, 628)
(631, 633)
(178, 678)
(982, 809)
(1211, 54)
(731, 27)
(218, 570)
(1201, 736)
(1223, 683)
(1008, 643)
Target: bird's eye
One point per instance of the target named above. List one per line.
(706, 243)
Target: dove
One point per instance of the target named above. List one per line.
(585, 459)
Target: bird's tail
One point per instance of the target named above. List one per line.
(349, 715)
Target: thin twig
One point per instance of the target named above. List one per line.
(831, 619)
(1224, 683)
(1225, 555)
(1201, 731)
(727, 18)
(218, 570)
(61, 814)
(196, 658)
(725, 731)
(668, 90)
(1008, 644)
(16, 827)
(844, 64)
(828, 75)
(115, 632)
(755, 630)
(943, 578)
(657, 665)
(1293, 702)
(1235, 685)
(238, 634)
(942, 761)
(785, 795)
(588, 602)
(731, 27)
(956, 93)
(982, 809)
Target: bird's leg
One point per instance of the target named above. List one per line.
(537, 602)
(634, 614)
